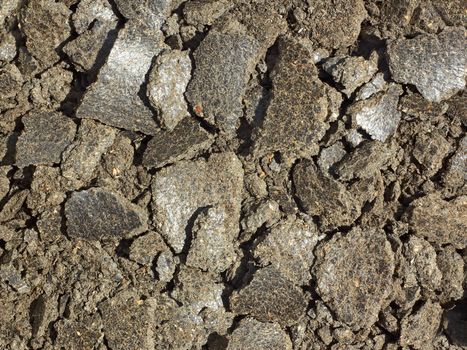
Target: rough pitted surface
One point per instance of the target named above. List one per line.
(354, 274)
(167, 84)
(45, 137)
(221, 175)
(270, 297)
(435, 64)
(177, 200)
(100, 213)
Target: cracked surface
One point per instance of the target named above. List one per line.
(233, 174)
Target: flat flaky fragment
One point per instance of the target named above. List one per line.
(100, 213)
(205, 12)
(288, 246)
(128, 322)
(167, 84)
(184, 142)
(82, 157)
(364, 161)
(354, 275)
(270, 297)
(45, 24)
(336, 24)
(212, 247)
(251, 334)
(224, 62)
(44, 138)
(321, 195)
(298, 108)
(181, 190)
(436, 65)
(378, 115)
(419, 328)
(115, 98)
(440, 221)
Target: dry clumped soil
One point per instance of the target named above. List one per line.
(233, 175)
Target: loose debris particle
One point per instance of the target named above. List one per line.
(97, 213)
(434, 64)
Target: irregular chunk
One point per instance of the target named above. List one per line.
(83, 155)
(434, 64)
(330, 156)
(420, 328)
(289, 125)
(45, 24)
(53, 87)
(354, 275)
(430, 150)
(114, 99)
(254, 335)
(168, 80)
(367, 159)
(128, 322)
(95, 22)
(179, 191)
(212, 246)
(78, 334)
(350, 72)
(270, 297)
(421, 261)
(184, 142)
(439, 221)
(323, 196)
(378, 115)
(224, 61)
(197, 290)
(264, 212)
(205, 12)
(288, 246)
(144, 249)
(223, 64)
(415, 105)
(336, 24)
(451, 265)
(99, 213)
(7, 46)
(11, 81)
(44, 138)
(457, 168)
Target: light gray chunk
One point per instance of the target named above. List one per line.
(7, 46)
(167, 84)
(330, 156)
(354, 275)
(436, 65)
(100, 213)
(212, 246)
(180, 190)
(378, 115)
(116, 98)
(82, 157)
(44, 138)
